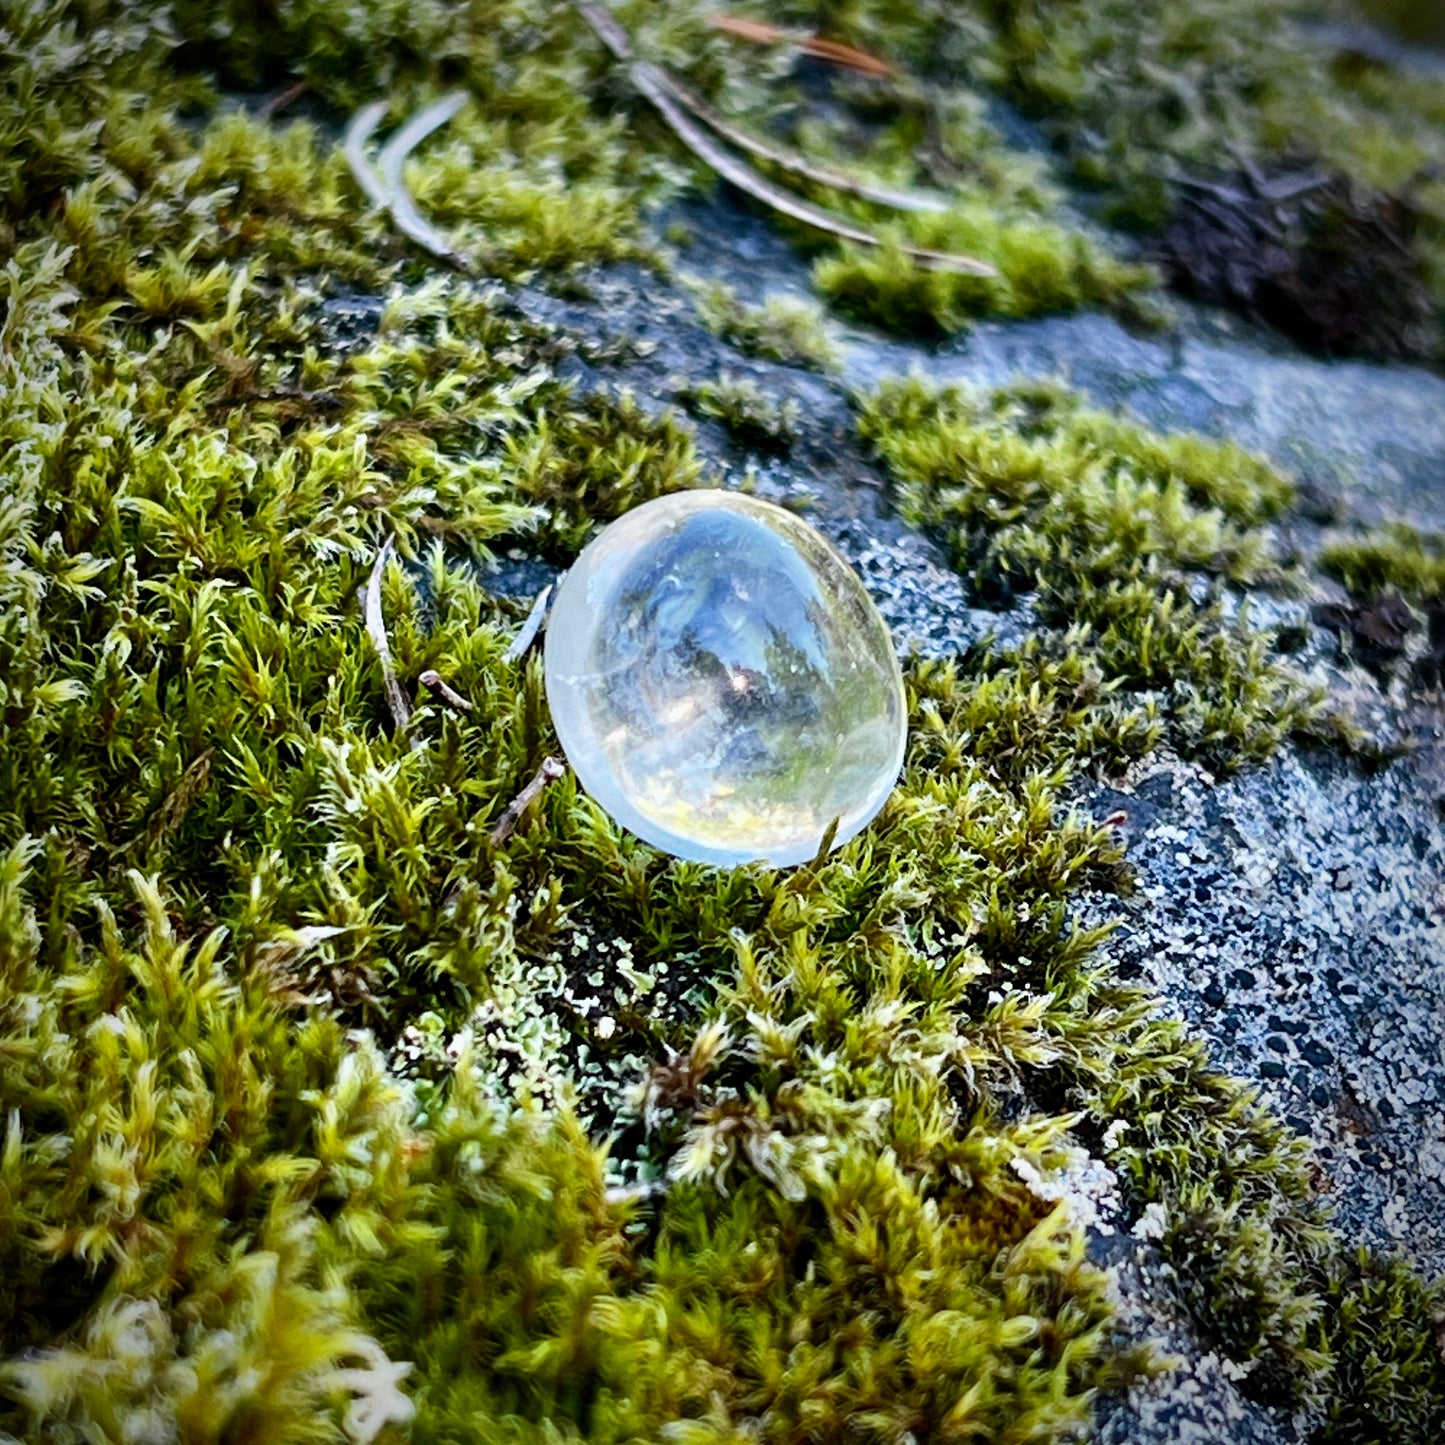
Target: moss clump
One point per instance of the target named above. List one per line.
(998, 205)
(1041, 268)
(1114, 532)
(1238, 1217)
(1179, 82)
(913, 426)
(1393, 558)
(270, 995)
(746, 410)
(591, 462)
(782, 329)
(1137, 98)
(1390, 1380)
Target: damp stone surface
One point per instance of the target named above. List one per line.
(722, 683)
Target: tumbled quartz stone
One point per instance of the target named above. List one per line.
(721, 682)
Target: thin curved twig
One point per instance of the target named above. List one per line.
(608, 31)
(790, 161)
(522, 643)
(438, 686)
(282, 100)
(393, 158)
(358, 133)
(759, 32)
(651, 82)
(653, 85)
(660, 88)
(549, 772)
(376, 631)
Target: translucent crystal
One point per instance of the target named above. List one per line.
(721, 682)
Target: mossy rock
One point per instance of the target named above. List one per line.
(324, 1114)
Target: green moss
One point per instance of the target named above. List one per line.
(999, 205)
(590, 463)
(746, 410)
(1040, 267)
(1238, 1216)
(1389, 1379)
(324, 1116)
(782, 329)
(1133, 96)
(1131, 99)
(1113, 530)
(222, 1207)
(1392, 558)
(914, 426)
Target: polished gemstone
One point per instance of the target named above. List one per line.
(721, 682)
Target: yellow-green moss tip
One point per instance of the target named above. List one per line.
(1394, 558)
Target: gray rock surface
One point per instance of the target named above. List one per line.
(1374, 435)
(1296, 916)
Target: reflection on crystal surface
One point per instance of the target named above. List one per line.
(721, 682)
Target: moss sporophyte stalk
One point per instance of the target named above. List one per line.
(328, 1113)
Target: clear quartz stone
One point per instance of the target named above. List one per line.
(721, 682)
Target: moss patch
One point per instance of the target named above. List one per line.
(1116, 534)
(1140, 100)
(782, 329)
(1041, 268)
(746, 410)
(321, 1115)
(1392, 558)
